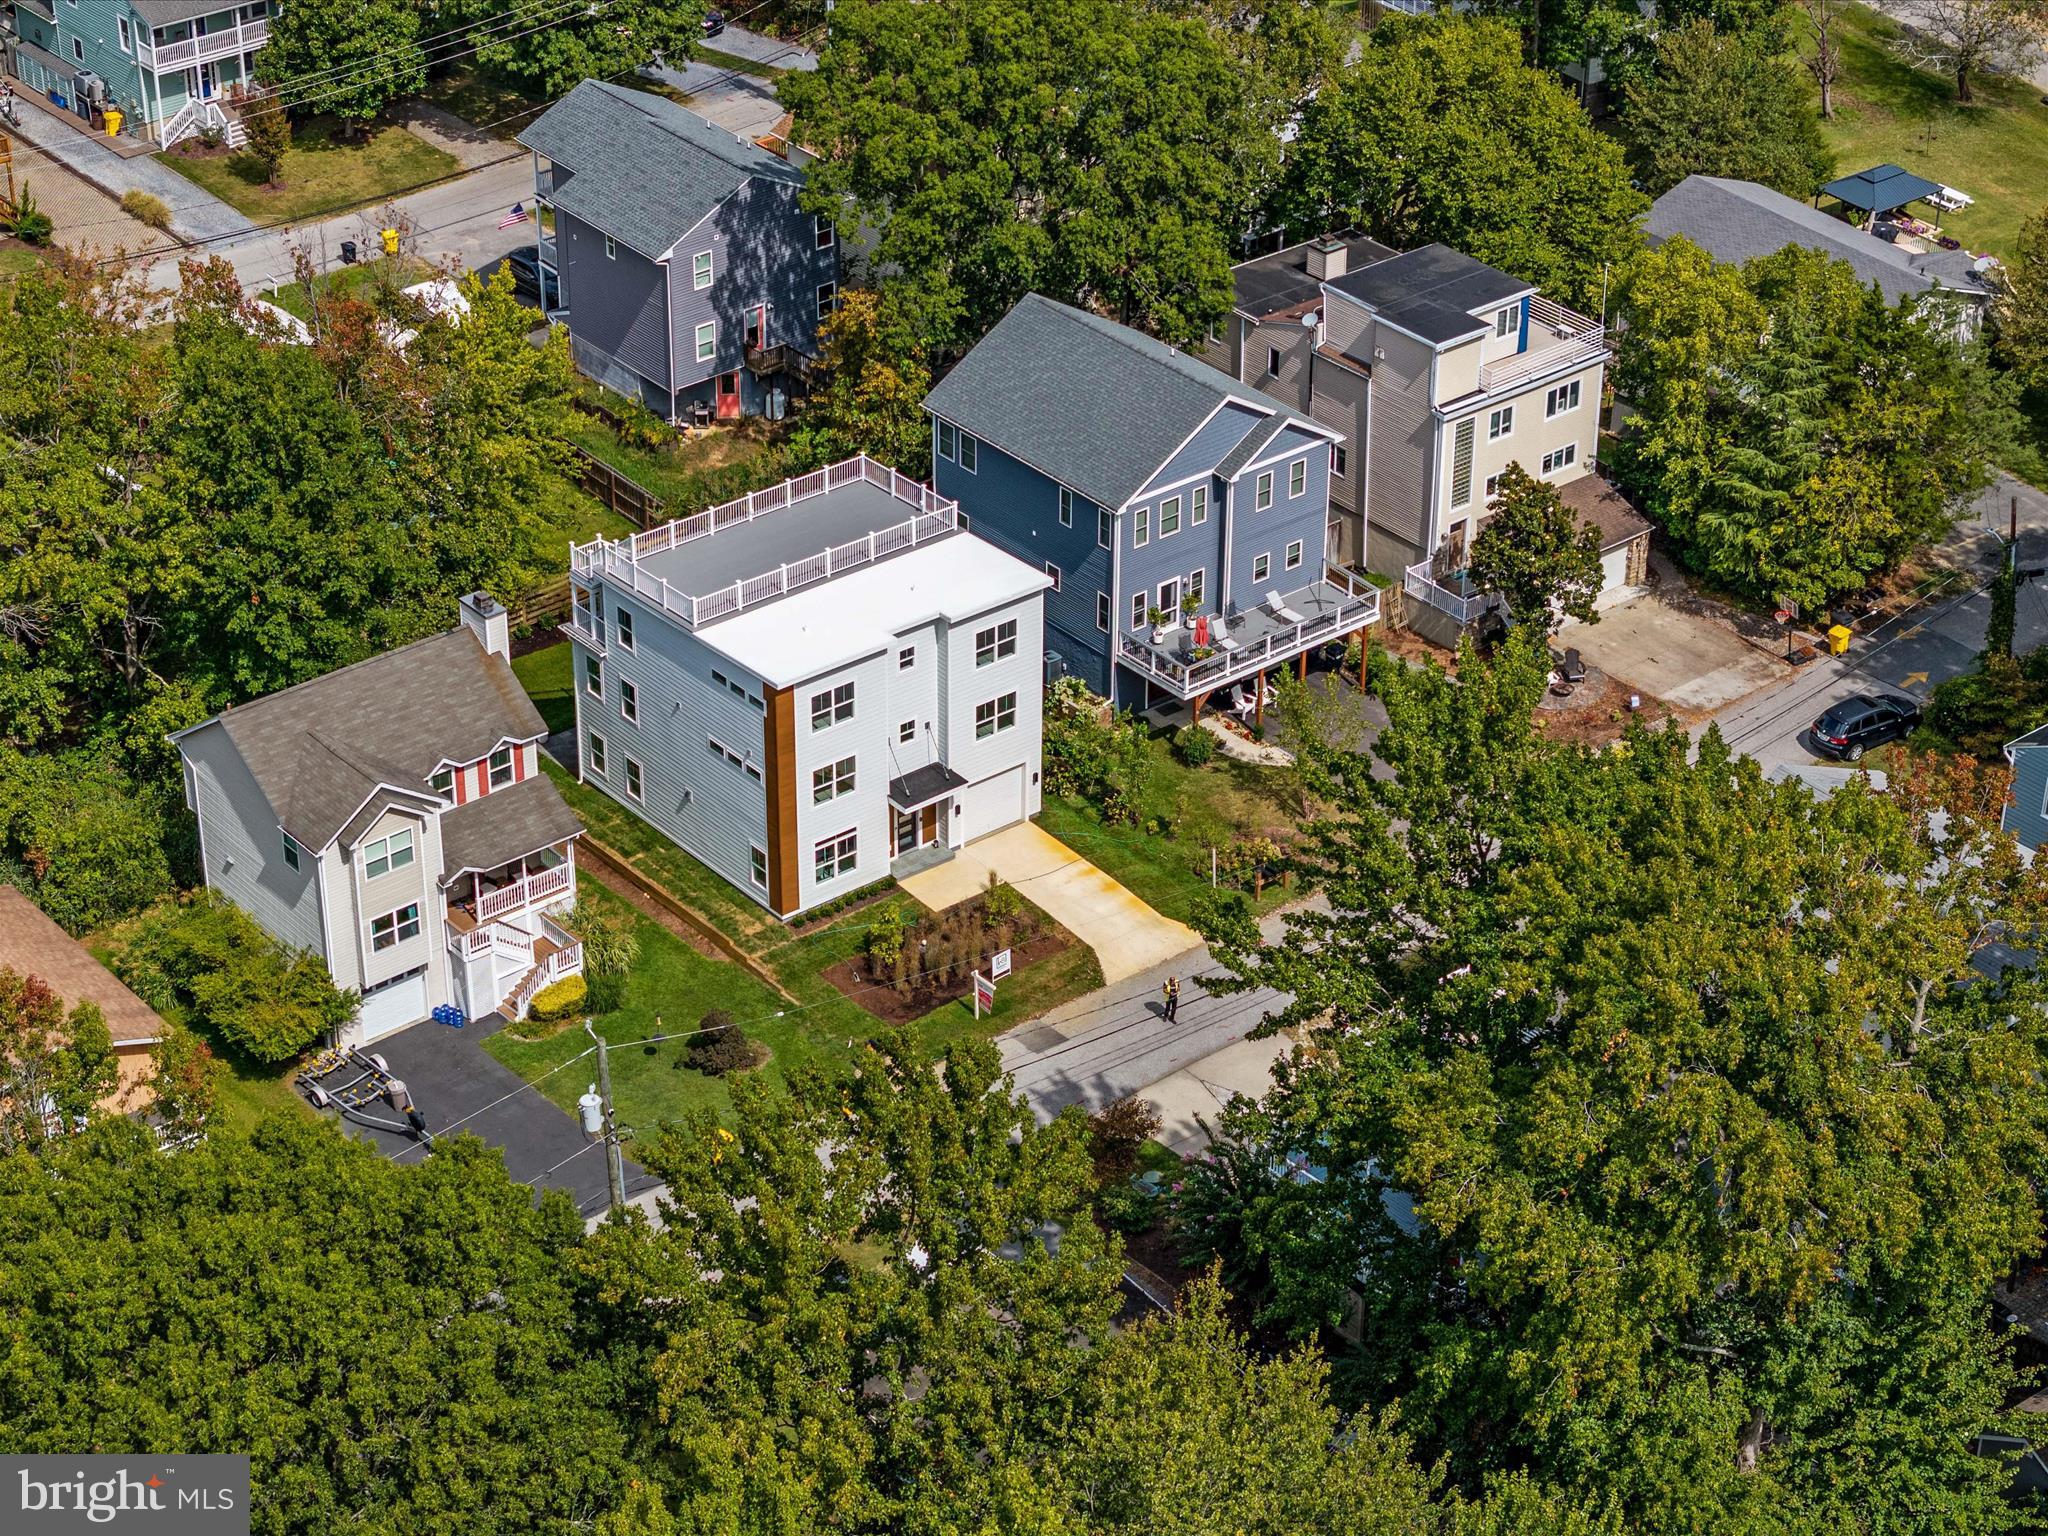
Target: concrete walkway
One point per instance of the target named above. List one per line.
(196, 214)
(471, 146)
(1127, 935)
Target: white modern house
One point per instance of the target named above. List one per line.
(392, 818)
(814, 686)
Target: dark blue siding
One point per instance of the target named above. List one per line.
(1304, 517)
(764, 252)
(1176, 554)
(2027, 817)
(616, 304)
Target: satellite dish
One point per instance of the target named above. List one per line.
(1309, 320)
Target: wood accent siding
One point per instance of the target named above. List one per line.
(779, 755)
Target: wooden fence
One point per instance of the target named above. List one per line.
(546, 603)
(625, 496)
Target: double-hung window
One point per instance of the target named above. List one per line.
(443, 783)
(1198, 506)
(760, 867)
(596, 753)
(994, 643)
(1169, 516)
(1141, 527)
(394, 928)
(1066, 507)
(1504, 321)
(832, 781)
(629, 702)
(906, 658)
(501, 765)
(1102, 611)
(593, 677)
(291, 852)
(1337, 460)
(387, 854)
(1197, 586)
(623, 619)
(1137, 610)
(634, 785)
(126, 45)
(831, 706)
(1500, 423)
(970, 453)
(611, 249)
(907, 732)
(1262, 492)
(1262, 567)
(998, 714)
(948, 440)
(823, 228)
(1054, 572)
(836, 856)
(700, 269)
(828, 299)
(1565, 397)
(1297, 477)
(1294, 555)
(707, 341)
(1105, 529)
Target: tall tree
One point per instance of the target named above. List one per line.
(1533, 550)
(547, 53)
(1793, 433)
(345, 58)
(1714, 1137)
(1722, 105)
(1091, 150)
(2019, 316)
(873, 399)
(1439, 132)
(54, 1066)
(1823, 59)
(1967, 38)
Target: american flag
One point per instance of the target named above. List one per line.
(516, 216)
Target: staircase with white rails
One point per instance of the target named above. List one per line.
(196, 117)
(510, 949)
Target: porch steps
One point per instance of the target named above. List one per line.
(515, 1003)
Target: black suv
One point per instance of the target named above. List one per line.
(1849, 729)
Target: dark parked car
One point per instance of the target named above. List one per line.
(1849, 729)
(714, 23)
(526, 275)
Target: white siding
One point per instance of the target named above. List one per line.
(867, 738)
(975, 758)
(244, 847)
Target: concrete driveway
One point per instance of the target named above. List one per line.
(1672, 649)
(1127, 935)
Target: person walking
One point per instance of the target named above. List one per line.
(1171, 989)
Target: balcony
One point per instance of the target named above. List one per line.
(764, 362)
(1453, 594)
(244, 37)
(1559, 339)
(1256, 639)
(583, 630)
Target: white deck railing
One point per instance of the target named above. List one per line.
(1558, 338)
(933, 517)
(1424, 588)
(541, 886)
(1358, 606)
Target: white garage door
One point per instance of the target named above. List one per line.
(393, 1004)
(1614, 568)
(991, 805)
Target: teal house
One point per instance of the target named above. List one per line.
(167, 66)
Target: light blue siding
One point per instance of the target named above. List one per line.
(243, 847)
(1304, 517)
(1176, 554)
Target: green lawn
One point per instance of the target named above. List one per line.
(323, 172)
(571, 515)
(547, 675)
(1195, 809)
(490, 105)
(1996, 149)
(689, 476)
(16, 259)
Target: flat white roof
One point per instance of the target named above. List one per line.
(827, 626)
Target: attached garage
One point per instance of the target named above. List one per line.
(1624, 533)
(393, 1004)
(990, 805)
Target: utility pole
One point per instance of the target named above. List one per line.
(615, 1167)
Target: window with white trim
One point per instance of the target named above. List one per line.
(611, 249)
(500, 765)
(1262, 493)
(1294, 555)
(837, 855)
(1560, 458)
(77, 47)
(1198, 506)
(622, 619)
(629, 702)
(700, 270)
(593, 677)
(1054, 572)
(1102, 611)
(1507, 320)
(828, 299)
(1198, 585)
(1262, 567)
(1169, 516)
(634, 784)
(970, 453)
(906, 658)
(994, 643)
(1141, 527)
(1066, 507)
(1500, 423)
(1137, 610)
(822, 228)
(758, 859)
(1297, 477)
(1105, 528)
(596, 753)
(443, 783)
(1338, 460)
(948, 440)
(831, 706)
(1492, 488)
(707, 341)
(394, 928)
(906, 732)
(1273, 361)
(126, 46)
(832, 781)
(998, 714)
(387, 853)
(291, 851)
(1565, 397)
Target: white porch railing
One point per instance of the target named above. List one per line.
(543, 886)
(566, 961)
(579, 629)
(934, 517)
(1359, 605)
(1559, 338)
(196, 117)
(493, 939)
(1424, 588)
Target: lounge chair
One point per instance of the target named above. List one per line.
(1280, 610)
(1242, 704)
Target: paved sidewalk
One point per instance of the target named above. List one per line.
(196, 214)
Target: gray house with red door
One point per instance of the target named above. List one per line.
(685, 271)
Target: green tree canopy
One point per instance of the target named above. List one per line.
(54, 1066)
(1533, 550)
(1098, 151)
(2020, 314)
(873, 399)
(344, 57)
(547, 53)
(1794, 434)
(1725, 105)
(1439, 132)
(1715, 1139)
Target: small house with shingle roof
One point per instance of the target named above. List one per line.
(392, 818)
(32, 945)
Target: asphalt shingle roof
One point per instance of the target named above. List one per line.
(1736, 221)
(505, 825)
(320, 748)
(1431, 291)
(641, 168)
(32, 945)
(1096, 405)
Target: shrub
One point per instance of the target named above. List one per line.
(885, 940)
(559, 1000)
(1194, 745)
(1126, 1210)
(1116, 1132)
(147, 207)
(1001, 903)
(722, 1049)
(1106, 764)
(29, 223)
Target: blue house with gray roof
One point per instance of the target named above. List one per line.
(685, 271)
(1183, 517)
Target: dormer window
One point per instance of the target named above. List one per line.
(444, 783)
(501, 767)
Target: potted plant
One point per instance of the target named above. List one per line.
(1157, 616)
(1189, 605)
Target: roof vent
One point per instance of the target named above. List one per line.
(1327, 258)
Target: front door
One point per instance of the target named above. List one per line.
(206, 82)
(728, 396)
(906, 831)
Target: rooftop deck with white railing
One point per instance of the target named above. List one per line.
(767, 544)
(1559, 338)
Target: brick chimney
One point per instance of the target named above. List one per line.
(485, 617)
(1327, 258)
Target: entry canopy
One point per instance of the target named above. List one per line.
(1880, 189)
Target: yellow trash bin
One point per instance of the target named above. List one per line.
(390, 242)
(113, 122)
(1838, 640)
